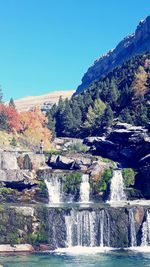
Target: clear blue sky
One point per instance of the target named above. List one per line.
(47, 45)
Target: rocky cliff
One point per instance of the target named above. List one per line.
(130, 46)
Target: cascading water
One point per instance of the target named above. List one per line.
(86, 228)
(133, 241)
(146, 231)
(53, 184)
(85, 189)
(117, 187)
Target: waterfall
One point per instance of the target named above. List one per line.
(101, 228)
(133, 241)
(85, 189)
(53, 184)
(86, 228)
(146, 231)
(117, 187)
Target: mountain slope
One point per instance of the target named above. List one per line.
(130, 46)
(43, 101)
(123, 94)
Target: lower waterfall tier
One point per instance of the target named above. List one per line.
(66, 227)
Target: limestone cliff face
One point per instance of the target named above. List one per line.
(133, 44)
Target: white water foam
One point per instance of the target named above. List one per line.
(117, 193)
(85, 189)
(54, 189)
(83, 250)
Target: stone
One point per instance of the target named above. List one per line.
(17, 248)
(8, 161)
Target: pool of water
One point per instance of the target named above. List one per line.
(107, 259)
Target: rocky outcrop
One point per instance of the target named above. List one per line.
(133, 44)
(129, 145)
(8, 161)
(76, 162)
(124, 142)
(22, 228)
(84, 163)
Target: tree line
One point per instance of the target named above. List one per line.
(123, 94)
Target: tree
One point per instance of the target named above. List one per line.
(1, 95)
(51, 124)
(126, 116)
(3, 117)
(77, 116)
(139, 84)
(113, 94)
(107, 118)
(58, 116)
(12, 104)
(99, 107)
(67, 120)
(13, 120)
(90, 119)
(34, 127)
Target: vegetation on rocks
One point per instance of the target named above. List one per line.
(100, 186)
(72, 183)
(129, 177)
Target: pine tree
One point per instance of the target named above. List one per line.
(107, 118)
(12, 104)
(126, 116)
(77, 116)
(51, 124)
(3, 120)
(58, 116)
(1, 95)
(67, 120)
(113, 94)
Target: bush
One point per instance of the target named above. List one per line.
(129, 176)
(78, 147)
(6, 191)
(72, 183)
(101, 184)
(13, 142)
(105, 179)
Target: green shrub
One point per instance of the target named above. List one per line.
(101, 184)
(105, 179)
(6, 191)
(13, 142)
(78, 147)
(129, 176)
(72, 183)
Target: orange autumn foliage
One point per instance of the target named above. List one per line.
(12, 118)
(34, 127)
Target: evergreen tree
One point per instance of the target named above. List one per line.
(107, 118)
(77, 116)
(67, 120)
(58, 116)
(1, 95)
(90, 118)
(12, 104)
(113, 94)
(126, 116)
(51, 124)
(3, 120)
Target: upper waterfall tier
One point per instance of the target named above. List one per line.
(117, 187)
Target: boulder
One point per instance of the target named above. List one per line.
(96, 169)
(77, 162)
(122, 143)
(8, 161)
(31, 161)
